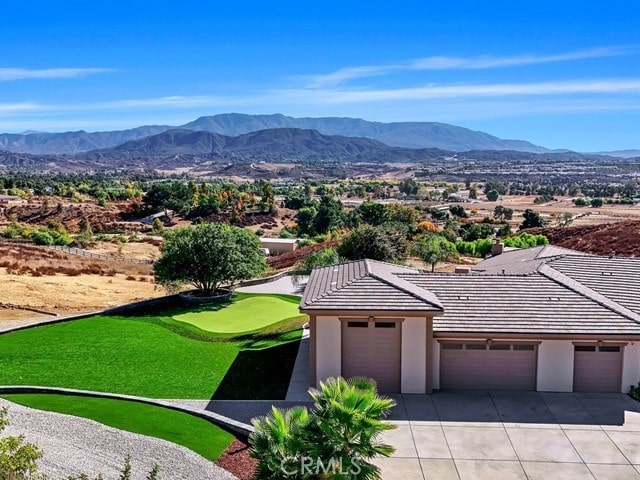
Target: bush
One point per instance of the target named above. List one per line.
(339, 437)
(476, 248)
(41, 238)
(525, 240)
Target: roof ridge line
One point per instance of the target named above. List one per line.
(383, 277)
(346, 284)
(602, 300)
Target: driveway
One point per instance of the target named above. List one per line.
(514, 435)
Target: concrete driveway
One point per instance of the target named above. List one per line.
(514, 435)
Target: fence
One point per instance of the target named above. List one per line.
(81, 252)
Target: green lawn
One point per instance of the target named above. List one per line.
(192, 432)
(150, 355)
(247, 313)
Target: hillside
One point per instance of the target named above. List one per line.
(400, 134)
(602, 239)
(183, 147)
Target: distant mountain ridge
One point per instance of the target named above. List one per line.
(414, 135)
(275, 145)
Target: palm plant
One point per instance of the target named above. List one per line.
(346, 428)
(276, 443)
(336, 440)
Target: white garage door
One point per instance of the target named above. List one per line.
(597, 368)
(372, 350)
(478, 366)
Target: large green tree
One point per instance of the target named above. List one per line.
(434, 250)
(375, 243)
(208, 256)
(532, 219)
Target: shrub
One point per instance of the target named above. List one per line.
(41, 238)
(375, 243)
(525, 240)
(342, 430)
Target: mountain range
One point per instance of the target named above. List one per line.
(413, 135)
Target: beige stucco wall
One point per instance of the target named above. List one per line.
(630, 366)
(555, 366)
(413, 364)
(328, 347)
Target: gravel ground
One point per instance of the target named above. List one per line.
(73, 445)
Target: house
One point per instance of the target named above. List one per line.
(10, 201)
(546, 319)
(277, 246)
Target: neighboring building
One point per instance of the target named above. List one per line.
(10, 201)
(277, 246)
(546, 319)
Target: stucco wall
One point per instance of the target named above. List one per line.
(328, 347)
(630, 366)
(413, 365)
(555, 366)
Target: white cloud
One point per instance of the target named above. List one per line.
(482, 62)
(11, 74)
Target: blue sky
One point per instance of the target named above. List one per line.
(559, 74)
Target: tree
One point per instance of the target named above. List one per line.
(86, 233)
(532, 219)
(500, 187)
(337, 439)
(208, 256)
(503, 213)
(374, 243)
(330, 215)
(408, 186)
(458, 211)
(493, 195)
(319, 258)
(304, 219)
(268, 197)
(373, 213)
(18, 459)
(596, 202)
(434, 250)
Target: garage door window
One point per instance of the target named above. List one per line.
(452, 346)
(609, 349)
(385, 324)
(499, 346)
(585, 348)
(357, 324)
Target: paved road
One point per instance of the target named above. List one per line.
(514, 435)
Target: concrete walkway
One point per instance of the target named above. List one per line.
(300, 379)
(284, 285)
(514, 435)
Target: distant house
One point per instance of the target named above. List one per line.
(546, 319)
(10, 201)
(277, 246)
(461, 196)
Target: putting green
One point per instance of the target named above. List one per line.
(246, 313)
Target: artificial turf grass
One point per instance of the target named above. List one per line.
(149, 355)
(194, 433)
(115, 354)
(245, 313)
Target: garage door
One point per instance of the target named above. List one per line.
(372, 350)
(478, 366)
(597, 368)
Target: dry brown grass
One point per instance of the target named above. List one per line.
(56, 282)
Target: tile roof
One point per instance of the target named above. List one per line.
(518, 304)
(365, 285)
(616, 278)
(545, 289)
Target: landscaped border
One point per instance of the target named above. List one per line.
(235, 427)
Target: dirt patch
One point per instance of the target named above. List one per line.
(620, 237)
(237, 460)
(144, 250)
